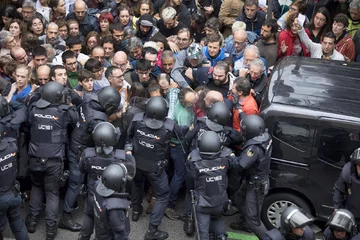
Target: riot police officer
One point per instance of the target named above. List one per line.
(148, 137)
(346, 190)
(341, 226)
(93, 162)
(216, 119)
(10, 199)
(293, 226)
(92, 112)
(48, 119)
(207, 168)
(111, 204)
(255, 167)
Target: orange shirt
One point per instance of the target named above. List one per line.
(249, 106)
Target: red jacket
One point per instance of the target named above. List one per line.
(287, 36)
(346, 47)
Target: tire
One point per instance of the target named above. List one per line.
(278, 202)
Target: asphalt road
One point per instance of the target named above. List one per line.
(138, 229)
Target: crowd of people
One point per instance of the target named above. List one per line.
(162, 87)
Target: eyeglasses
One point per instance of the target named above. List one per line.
(239, 43)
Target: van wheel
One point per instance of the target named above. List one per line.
(275, 204)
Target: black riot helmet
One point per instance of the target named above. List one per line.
(52, 93)
(355, 157)
(294, 217)
(156, 110)
(218, 113)
(209, 143)
(4, 107)
(342, 220)
(113, 179)
(109, 98)
(104, 134)
(252, 126)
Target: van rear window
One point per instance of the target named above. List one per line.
(295, 134)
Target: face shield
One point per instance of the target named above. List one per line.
(342, 221)
(298, 218)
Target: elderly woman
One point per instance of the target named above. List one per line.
(7, 41)
(21, 88)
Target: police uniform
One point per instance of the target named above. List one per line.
(255, 168)
(48, 135)
(346, 191)
(90, 114)
(10, 199)
(209, 181)
(203, 124)
(111, 217)
(93, 165)
(150, 149)
(329, 235)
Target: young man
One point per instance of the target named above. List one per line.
(267, 44)
(325, 49)
(142, 73)
(214, 51)
(86, 84)
(72, 67)
(252, 17)
(168, 24)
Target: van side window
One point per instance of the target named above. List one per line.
(295, 134)
(337, 144)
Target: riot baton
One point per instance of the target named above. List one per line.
(193, 203)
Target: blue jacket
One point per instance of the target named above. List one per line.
(253, 25)
(213, 61)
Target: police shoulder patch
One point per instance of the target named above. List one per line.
(250, 153)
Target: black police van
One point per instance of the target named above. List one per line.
(312, 111)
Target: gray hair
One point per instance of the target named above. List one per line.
(4, 38)
(168, 13)
(354, 4)
(28, 4)
(50, 52)
(259, 63)
(253, 48)
(167, 54)
(133, 42)
(251, 2)
(238, 25)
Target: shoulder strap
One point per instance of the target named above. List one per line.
(138, 117)
(120, 154)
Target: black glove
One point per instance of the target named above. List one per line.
(235, 101)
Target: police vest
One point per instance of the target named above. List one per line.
(273, 234)
(203, 128)
(81, 137)
(48, 133)
(262, 166)
(101, 207)
(12, 122)
(352, 192)
(150, 145)
(8, 165)
(96, 164)
(211, 180)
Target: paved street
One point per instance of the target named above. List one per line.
(138, 229)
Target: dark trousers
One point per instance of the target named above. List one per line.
(76, 178)
(10, 209)
(249, 202)
(160, 185)
(210, 218)
(88, 221)
(45, 178)
(178, 157)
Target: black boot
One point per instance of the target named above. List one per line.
(154, 233)
(51, 231)
(136, 213)
(189, 226)
(66, 222)
(30, 222)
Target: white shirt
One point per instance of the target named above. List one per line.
(44, 11)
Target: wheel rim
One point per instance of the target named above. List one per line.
(274, 212)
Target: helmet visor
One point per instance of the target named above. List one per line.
(355, 156)
(298, 218)
(341, 221)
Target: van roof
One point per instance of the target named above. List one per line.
(331, 86)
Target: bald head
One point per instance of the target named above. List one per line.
(240, 39)
(19, 55)
(43, 74)
(120, 60)
(80, 10)
(213, 97)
